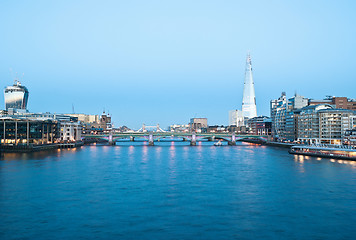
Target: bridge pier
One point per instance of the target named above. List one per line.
(193, 142)
(111, 142)
(233, 140)
(150, 140)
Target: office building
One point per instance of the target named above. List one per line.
(278, 110)
(198, 124)
(70, 131)
(28, 131)
(284, 116)
(324, 124)
(85, 118)
(337, 102)
(16, 96)
(236, 118)
(261, 125)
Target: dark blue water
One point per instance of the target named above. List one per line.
(174, 191)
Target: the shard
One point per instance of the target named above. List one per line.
(249, 98)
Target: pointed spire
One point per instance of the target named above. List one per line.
(249, 98)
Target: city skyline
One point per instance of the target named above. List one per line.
(166, 63)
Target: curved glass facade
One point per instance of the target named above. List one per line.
(16, 96)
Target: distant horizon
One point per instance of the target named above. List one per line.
(166, 62)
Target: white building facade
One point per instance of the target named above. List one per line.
(70, 131)
(236, 118)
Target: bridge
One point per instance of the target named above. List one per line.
(152, 137)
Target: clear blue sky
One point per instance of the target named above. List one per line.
(167, 61)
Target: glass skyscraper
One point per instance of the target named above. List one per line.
(249, 98)
(16, 96)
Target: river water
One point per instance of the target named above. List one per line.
(174, 191)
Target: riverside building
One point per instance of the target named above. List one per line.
(284, 116)
(278, 109)
(324, 124)
(70, 131)
(311, 121)
(337, 102)
(261, 125)
(27, 133)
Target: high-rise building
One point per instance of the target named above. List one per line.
(278, 115)
(284, 114)
(249, 98)
(236, 118)
(16, 96)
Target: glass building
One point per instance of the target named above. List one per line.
(16, 96)
(17, 132)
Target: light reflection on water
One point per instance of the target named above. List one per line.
(174, 191)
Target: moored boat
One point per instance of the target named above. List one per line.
(327, 151)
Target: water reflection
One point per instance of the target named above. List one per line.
(40, 155)
(144, 154)
(302, 158)
(202, 192)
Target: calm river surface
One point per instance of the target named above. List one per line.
(174, 191)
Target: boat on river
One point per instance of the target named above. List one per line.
(219, 143)
(326, 151)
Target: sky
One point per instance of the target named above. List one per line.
(168, 61)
